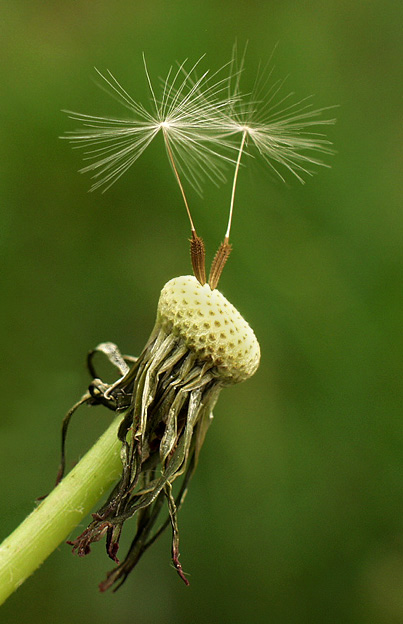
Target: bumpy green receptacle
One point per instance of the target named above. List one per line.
(211, 326)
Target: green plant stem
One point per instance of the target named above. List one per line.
(51, 522)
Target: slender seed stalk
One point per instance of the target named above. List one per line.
(177, 176)
(52, 521)
(238, 162)
(225, 248)
(197, 250)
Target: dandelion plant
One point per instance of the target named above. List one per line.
(163, 400)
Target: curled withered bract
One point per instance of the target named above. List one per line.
(200, 343)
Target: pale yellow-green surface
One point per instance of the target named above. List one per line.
(211, 326)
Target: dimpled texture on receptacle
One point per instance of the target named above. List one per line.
(211, 326)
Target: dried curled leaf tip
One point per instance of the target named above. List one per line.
(200, 343)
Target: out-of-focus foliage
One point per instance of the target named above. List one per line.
(295, 512)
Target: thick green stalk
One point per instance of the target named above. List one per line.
(52, 521)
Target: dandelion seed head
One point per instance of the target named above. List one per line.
(200, 343)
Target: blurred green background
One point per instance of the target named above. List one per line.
(295, 512)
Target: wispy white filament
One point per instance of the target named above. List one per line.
(284, 133)
(188, 114)
(206, 123)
